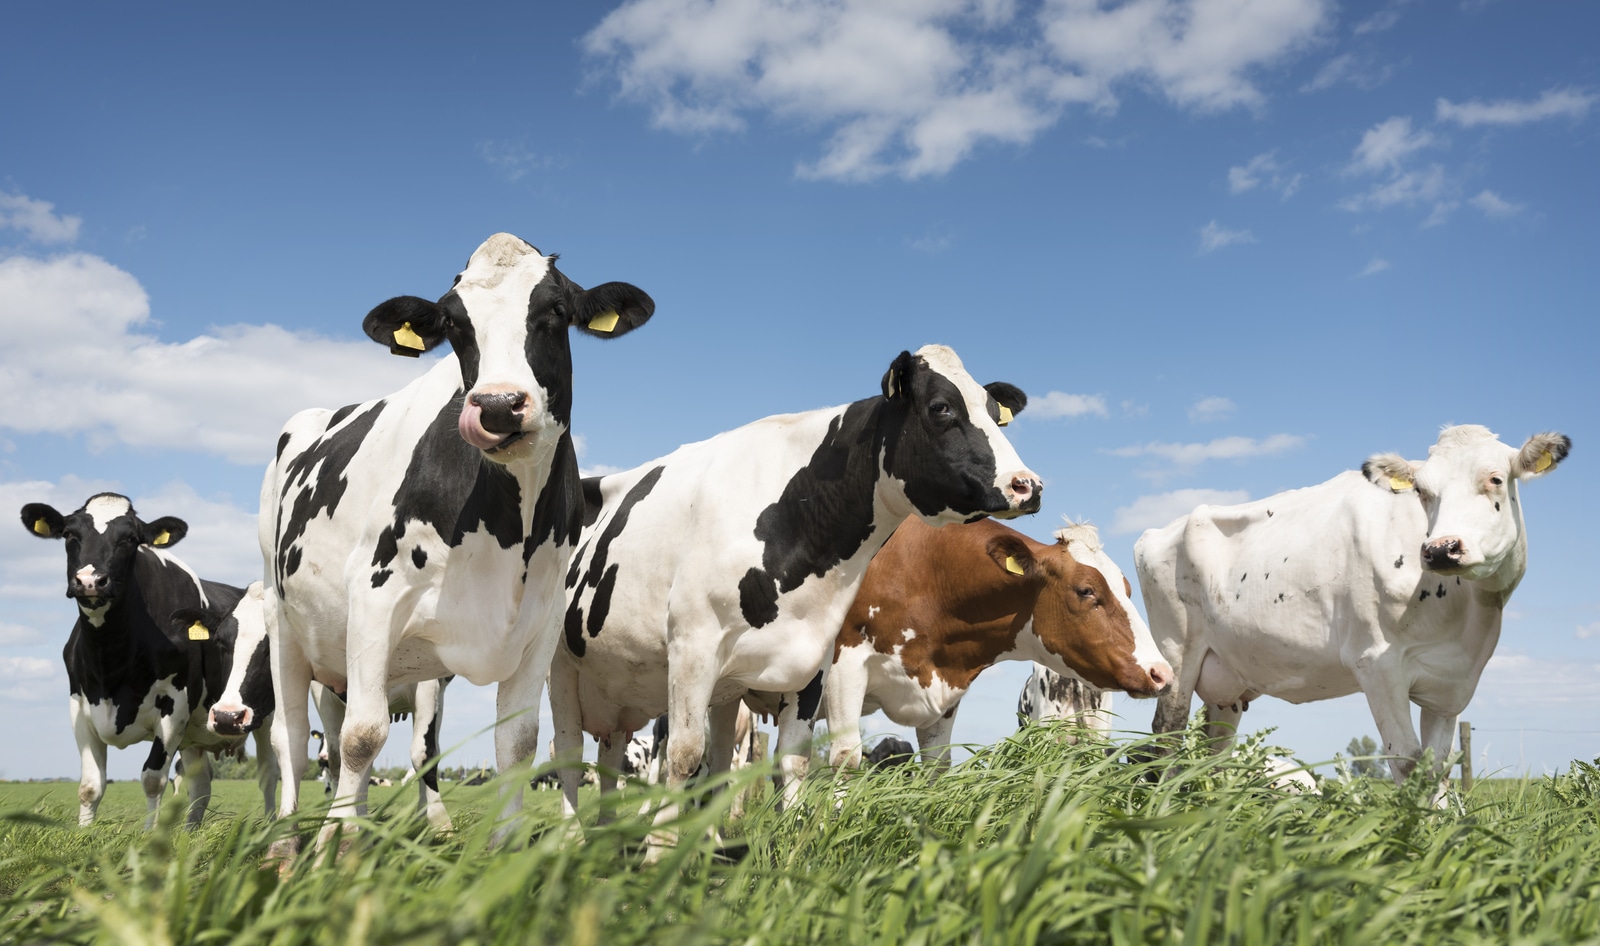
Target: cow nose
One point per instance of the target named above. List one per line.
(1160, 677)
(1024, 490)
(1443, 553)
(89, 582)
(229, 722)
(501, 410)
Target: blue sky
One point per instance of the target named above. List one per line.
(1228, 248)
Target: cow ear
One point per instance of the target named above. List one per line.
(612, 309)
(42, 520)
(407, 324)
(1391, 471)
(197, 624)
(1009, 397)
(1013, 556)
(898, 377)
(1541, 454)
(163, 532)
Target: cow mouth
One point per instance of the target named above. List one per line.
(508, 441)
(471, 428)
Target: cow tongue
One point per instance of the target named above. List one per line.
(472, 430)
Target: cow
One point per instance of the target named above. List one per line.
(140, 666)
(890, 752)
(1050, 696)
(1391, 581)
(642, 756)
(425, 533)
(726, 566)
(247, 699)
(940, 606)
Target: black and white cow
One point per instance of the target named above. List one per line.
(142, 664)
(727, 566)
(425, 533)
(1048, 695)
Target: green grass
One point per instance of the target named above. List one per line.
(1030, 841)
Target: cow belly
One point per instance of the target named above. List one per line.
(782, 657)
(1269, 667)
(902, 697)
(146, 719)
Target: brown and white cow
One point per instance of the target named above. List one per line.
(940, 606)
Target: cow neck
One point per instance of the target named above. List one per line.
(981, 632)
(836, 510)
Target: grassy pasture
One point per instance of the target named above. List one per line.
(1030, 841)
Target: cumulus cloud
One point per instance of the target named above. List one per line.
(1263, 170)
(1223, 448)
(913, 88)
(37, 219)
(1493, 205)
(86, 362)
(1386, 150)
(1373, 268)
(1151, 512)
(1554, 103)
(1386, 145)
(1210, 409)
(1060, 404)
(1214, 236)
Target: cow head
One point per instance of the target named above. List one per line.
(101, 537)
(1468, 488)
(244, 672)
(507, 318)
(949, 453)
(1084, 613)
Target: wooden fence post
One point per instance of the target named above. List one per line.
(1466, 756)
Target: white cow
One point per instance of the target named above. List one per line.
(425, 533)
(1048, 695)
(1391, 581)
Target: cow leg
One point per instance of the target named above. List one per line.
(291, 727)
(1439, 734)
(688, 698)
(1222, 725)
(92, 758)
(197, 771)
(934, 741)
(266, 768)
(608, 769)
(797, 717)
(330, 710)
(425, 723)
(1388, 698)
(516, 735)
(567, 717)
(153, 777)
(366, 729)
(846, 689)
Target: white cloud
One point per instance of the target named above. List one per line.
(1373, 268)
(513, 159)
(1386, 145)
(1357, 69)
(1382, 20)
(1210, 409)
(1554, 103)
(1517, 681)
(1494, 205)
(912, 88)
(18, 634)
(85, 363)
(30, 679)
(1224, 448)
(1214, 236)
(933, 243)
(1263, 170)
(1060, 404)
(37, 219)
(1587, 631)
(1150, 512)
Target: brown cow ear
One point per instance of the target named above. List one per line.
(1012, 556)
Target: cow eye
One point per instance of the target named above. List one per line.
(1497, 481)
(1085, 592)
(939, 409)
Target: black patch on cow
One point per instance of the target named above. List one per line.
(596, 573)
(1400, 561)
(164, 705)
(341, 414)
(430, 744)
(1496, 507)
(558, 513)
(450, 486)
(593, 500)
(1243, 577)
(419, 558)
(380, 576)
(809, 698)
(823, 516)
(157, 760)
(283, 441)
(1424, 595)
(1440, 592)
(326, 458)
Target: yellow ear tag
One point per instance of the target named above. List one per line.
(162, 539)
(1013, 567)
(1545, 462)
(1399, 484)
(41, 527)
(406, 338)
(1005, 415)
(198, 632)
(604, 322)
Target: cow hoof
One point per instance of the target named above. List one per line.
(281, 855)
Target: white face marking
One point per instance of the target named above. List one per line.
(103, 509)
(1007, 464)
(96, 616)
(495, 288)
(1084, 547)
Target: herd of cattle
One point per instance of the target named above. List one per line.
(817, 565)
